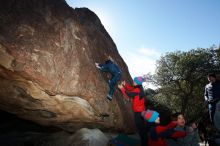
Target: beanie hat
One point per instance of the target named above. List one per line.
(139, 80)
(150, 115)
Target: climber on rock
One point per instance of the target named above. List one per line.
(110, 67)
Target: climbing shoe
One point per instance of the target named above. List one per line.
(109, 97)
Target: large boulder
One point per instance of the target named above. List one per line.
(82, 137)
(47, 72)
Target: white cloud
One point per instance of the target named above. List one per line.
(141, 62)
(138, 64)
(150, 52)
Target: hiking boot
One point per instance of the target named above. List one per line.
(109, 97)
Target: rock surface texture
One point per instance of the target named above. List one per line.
(47, 71)
(82, 137)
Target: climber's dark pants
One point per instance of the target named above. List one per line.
(142, 128)
(112, 82)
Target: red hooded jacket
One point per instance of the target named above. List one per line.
(158, 134)
(137, 95)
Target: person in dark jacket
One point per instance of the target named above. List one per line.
(212, 94)
(158, 133)
(115, 72)
(136, 94)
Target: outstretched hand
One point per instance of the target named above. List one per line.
(194, 125)
(123, 83)
(120, 86)
(97, 65)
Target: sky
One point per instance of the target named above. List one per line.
(144, 30)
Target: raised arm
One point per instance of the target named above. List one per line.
(169, 131)
(104, 67)
(127, 90)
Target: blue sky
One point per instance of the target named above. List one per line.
(143, 30)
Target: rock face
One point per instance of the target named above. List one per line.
(82, 137)
(47, 72)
